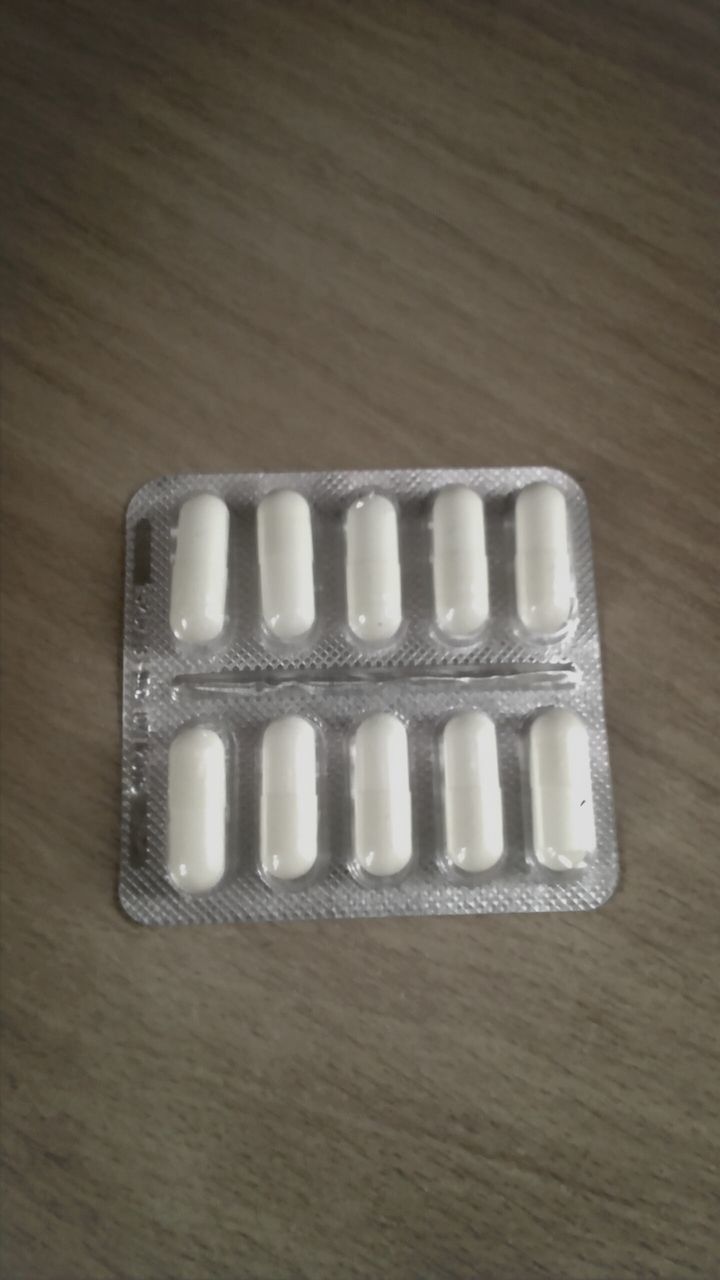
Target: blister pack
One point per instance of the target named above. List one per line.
(368, 693)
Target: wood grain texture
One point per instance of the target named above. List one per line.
(326, 234)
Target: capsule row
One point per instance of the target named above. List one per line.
(543, 569)
(558, 755)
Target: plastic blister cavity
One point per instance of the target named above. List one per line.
(285, 556)
(471, 792)
(543, 570)
(199, 572)
(289, 802)
(382, 809)
(362, 693)
(460, 573)
(374, 590)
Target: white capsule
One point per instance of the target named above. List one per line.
(374, 597)
(460, 573)
(473, 799)
(200, 569)
(381, 796)
(285, 555)
(196, 810)
(289, 803)
(543, 575)
(561, 790)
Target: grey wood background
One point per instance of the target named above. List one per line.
(326, 234)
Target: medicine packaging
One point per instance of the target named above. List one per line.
(362, 694)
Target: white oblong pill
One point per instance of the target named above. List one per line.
(460, 572)
(200, 569)
(288, 802)
(563, 821)
(381, 796)
(196, 810)
(473, 799)
(285, 556)
(374, 596)
(543, 575)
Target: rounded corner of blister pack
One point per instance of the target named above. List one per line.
(143, 498)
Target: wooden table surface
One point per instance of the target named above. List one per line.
(324, 234)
